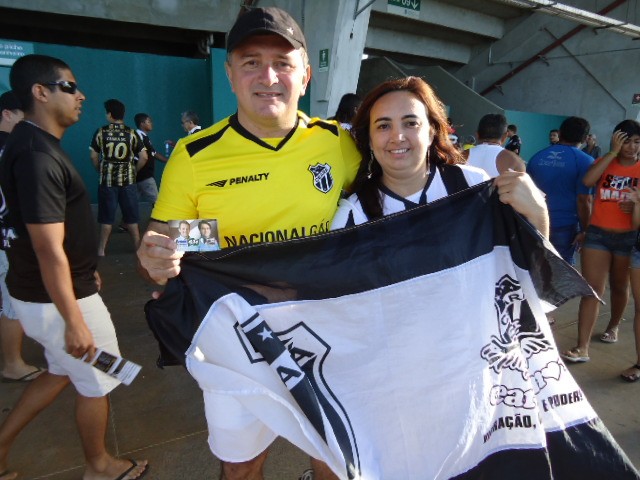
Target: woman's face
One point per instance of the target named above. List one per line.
(400, 135)
(205, 230)
(631, 147)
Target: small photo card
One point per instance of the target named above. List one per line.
(124, 371)
(195, 235)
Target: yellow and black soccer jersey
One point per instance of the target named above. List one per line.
(259, 190)
(118, 146)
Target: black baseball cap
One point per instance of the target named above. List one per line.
(260, 21)
(9, 101)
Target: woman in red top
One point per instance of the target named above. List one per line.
(610, 235)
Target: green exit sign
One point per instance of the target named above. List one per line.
(323, 60)
(406, 8)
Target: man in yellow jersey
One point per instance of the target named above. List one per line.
(267, 173)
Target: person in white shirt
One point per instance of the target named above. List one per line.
(489, 154)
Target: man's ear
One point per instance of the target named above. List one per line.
(305, 80)
(40, 93)
(227, 70)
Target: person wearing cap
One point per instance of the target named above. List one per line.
(266, 173)
(14, 367)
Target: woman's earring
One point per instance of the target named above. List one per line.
(370, 165)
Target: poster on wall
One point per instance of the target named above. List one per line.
(11, 50)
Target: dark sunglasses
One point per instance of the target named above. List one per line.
(65, 86)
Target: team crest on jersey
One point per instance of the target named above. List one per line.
(322, 178)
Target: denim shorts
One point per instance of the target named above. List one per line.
(110, 197)
(562, 239)
(617, 243)
(635, 258)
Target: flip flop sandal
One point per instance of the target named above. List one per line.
(610, 336)
(26, 378)
(575, 355)
(634, 376)
(125, 475)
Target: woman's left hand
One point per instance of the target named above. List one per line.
(518, 190)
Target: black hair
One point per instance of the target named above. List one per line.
(347, 108)
(513, 128)
(115, 108)
(630, 127)
(140, 118)
(492, 126)
(34, 69)
(574, 130)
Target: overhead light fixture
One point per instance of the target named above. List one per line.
(579, 15)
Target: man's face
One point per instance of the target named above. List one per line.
(65, 107)
(147, 125)
(187, 124)
(183, 228)
(268, 77)
(554, 137)
(205, 230)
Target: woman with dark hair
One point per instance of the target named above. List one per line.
(610, 236)
(347, 109)
(208, 241)
(402, 133)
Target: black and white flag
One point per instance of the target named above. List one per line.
(412, 347)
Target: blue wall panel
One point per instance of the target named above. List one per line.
(161, 86)
(533, 129)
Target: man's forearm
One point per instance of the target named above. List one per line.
(583, 204)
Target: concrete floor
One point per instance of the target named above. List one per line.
(160, 416)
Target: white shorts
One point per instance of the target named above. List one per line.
(43, 323)
(7, 309)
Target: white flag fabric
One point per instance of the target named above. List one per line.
(412, 347)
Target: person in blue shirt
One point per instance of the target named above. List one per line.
(558, 170)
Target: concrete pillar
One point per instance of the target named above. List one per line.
(330, 27)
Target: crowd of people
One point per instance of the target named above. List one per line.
(390, 151)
